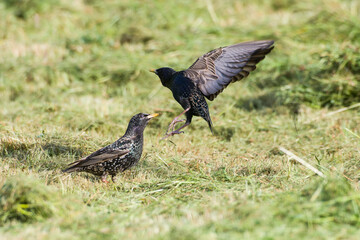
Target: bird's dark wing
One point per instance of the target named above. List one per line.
(215, 70)
(99, 156)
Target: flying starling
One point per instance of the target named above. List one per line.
(118, 156)
(208, 76)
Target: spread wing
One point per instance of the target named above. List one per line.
(215, 70)
(102, 155)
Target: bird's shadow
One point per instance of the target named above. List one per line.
(260, 102)
(55, 149)
(269, 100)
(40, 156)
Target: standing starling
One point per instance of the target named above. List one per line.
(208, 76)
(118, 156)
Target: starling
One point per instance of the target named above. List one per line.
(208, 76)
(118, 156)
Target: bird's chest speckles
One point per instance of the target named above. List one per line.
(199, 105)
(136, 149)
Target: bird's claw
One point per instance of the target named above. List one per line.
(173, 124)
(172, 134)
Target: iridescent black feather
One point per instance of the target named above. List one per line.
(209, 75)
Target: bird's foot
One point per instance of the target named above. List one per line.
(113, 178)
(173, 124)
(172, 134)
(176, 120)
(103, 179)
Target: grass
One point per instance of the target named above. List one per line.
(72, 73)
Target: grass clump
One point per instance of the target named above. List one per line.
(332, 201)
(25, 199)
(327, 189)
(27, 8)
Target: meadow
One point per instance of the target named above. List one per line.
(73, 73)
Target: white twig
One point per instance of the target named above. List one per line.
(352, 133)
(211, 10)
(335, 112)
(162, 160)
(343, 109)
(303, 162)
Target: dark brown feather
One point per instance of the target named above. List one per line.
(91, 160)
(215, 70)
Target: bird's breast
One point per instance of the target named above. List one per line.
(136, 148)
(182, 86)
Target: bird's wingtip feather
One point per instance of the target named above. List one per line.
(68, 170)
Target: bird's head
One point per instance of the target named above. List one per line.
(138, 122)
(165, 74)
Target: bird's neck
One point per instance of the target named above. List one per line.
(135, 131)
(167, 83)
(167, 80)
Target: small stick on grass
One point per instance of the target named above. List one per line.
(303, 162)
(342, 110)
(351, 132)
(334, 112)
(211, 11)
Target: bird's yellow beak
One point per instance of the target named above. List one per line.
(153, 115)
(152, 70)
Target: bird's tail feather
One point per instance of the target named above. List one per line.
(210, 126)
(72, 166)
(70, 169)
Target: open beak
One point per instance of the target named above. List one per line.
(153, 71)
(152, 115)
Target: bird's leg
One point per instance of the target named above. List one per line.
(177, 131)
(103, 178)
(113, 178)
(173, 124)
(176, 120)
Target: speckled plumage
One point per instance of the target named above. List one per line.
(209, 75)
(188, 95)
(118, 156)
